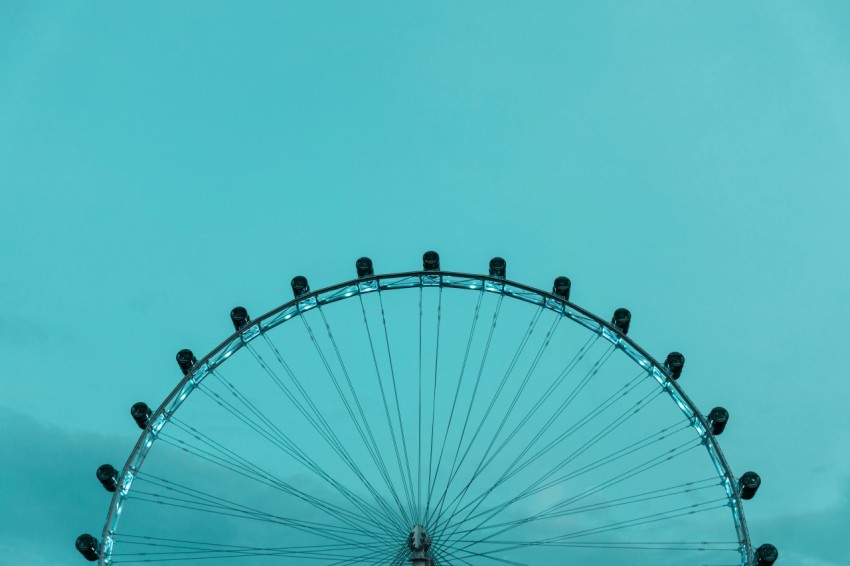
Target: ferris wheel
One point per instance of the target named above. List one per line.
(429, 418)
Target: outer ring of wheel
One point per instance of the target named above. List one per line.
(407, 280)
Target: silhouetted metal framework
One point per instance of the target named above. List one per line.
(431, 276)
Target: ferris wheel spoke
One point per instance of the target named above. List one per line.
(518, 464)
(372, 447)
(215, 504)
(331, 553)
(345, 515)
(666, 515)
(316, 418)
(546, 340)
(443, 554)
(273, 434)
(559, 380)
(553, 512)
(335, 531)
(463, 553)
(612, 426)
(395, 392)
(571, 365)
(595, 465)
(591, 373)
(233, 462)
(464, 362)
(557, 542)
(236, 512)
(515, 467)
(377, 555)
(539, 485)
(285, 444)
(636, 470)
(645, 466)
(455, 466)
(390, 426)
(632, 545)
(197, 547)
(398, 559)
(536, 487)
(577, 358)
(623, 501)
(424, 514)
(361, 412)
(479, 468)
(170, 549)
(559, 510)
(190, 544)
(419, 419)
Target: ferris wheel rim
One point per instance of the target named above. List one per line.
(409, 280)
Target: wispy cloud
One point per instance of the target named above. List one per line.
(813, 539)
(48, 489)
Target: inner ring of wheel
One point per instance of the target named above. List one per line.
(408, 280)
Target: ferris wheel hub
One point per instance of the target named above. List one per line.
(419, 544)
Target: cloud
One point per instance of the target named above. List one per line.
(812, 539)
(50, 496)
(27, 331)
(48, 488)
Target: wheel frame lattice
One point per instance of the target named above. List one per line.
(431, 278)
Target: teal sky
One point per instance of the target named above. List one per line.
(163, 163)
